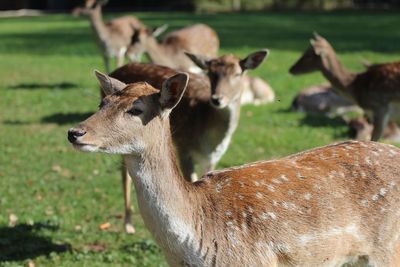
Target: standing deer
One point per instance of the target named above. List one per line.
(198, 39)
(375, 90)
(114, 37)
(328, 206)
(202, 125)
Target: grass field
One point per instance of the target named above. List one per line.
(61, 197)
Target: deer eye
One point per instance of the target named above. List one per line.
(135, 111)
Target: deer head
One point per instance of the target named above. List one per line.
(129, 115)
(140, 40)
(225, 74)
(314, 58)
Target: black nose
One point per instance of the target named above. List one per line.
(216, 100)
(73, 134)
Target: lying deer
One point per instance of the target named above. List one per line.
(198, 39)
(114, 37)
(328, 206)
(375, 90)
(321, 99)
(202, 128)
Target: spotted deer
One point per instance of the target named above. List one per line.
(328, 206)
(375, 90)
(114, 37)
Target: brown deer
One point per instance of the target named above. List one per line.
(199, 39)
(375, 90)
(114, 37)
(328, 206)
(204, 121)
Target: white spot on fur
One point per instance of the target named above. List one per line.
(364, 203)
(228, 213)
(284, 178)
(272, 215)
(271, 188)
(276, 181)
(307, 196)
(383, 191)
(375, 197)
(259, 195)
(256, 183)
(368, 160)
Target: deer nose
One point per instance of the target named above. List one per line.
(74, 134)
(216, 100)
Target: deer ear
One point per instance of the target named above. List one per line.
(253, 60)
(317, 36)
(172, 91)
(159, 30)
(200, 61)
(108, 84)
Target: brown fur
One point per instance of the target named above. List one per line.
(114, 36)
(323, 207)
(198, 38)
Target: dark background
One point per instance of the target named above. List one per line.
(204, 5)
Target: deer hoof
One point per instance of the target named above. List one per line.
(129, 229)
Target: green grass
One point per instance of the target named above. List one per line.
(61, 196)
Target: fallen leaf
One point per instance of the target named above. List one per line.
(105, 226)
(56, 168)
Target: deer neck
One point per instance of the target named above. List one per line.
(339, 76)
(166, 201)
(96, 20)
(158, 53)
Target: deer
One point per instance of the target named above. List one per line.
(204, 121)
(327, 206)
(114, 37)
(198, 39)
(375, 90)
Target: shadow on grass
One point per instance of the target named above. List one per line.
(66, 118)
(24, 242)
(33, 86)
(348, 31)
(315, 120)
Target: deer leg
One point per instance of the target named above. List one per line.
(381, 119)
(107, 63)
(120, 60)
(126, 186)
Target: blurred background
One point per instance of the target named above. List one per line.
(205, 5)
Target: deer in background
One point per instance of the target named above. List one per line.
(329, 206)
(377, 89)
(202, 125)
(198, 39)
(114, 37)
